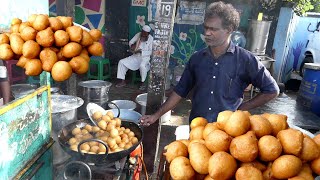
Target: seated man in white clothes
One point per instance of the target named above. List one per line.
(141, 47)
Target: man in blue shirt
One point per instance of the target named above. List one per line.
(219, 74)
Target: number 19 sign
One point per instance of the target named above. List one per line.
(165, 9)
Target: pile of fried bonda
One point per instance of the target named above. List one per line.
(52, 44)
(244, 146)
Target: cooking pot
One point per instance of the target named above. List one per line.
(64, 111)
(95, 159)
(94, 89)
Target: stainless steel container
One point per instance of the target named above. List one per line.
(257, 36)
(95, 91)
(64, 111)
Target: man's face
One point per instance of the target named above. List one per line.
(144, 34)
(215, 34)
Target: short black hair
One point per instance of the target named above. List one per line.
(226, 12)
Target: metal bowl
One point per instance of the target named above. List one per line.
(19, 90)
(123, 104)
(126, 114)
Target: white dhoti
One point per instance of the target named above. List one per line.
(134, 62)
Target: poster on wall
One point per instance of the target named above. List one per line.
(20, 9)
(152, 9)
(142, 3)
(190, 12)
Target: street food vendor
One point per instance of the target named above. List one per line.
(219, 74)
(4, 85)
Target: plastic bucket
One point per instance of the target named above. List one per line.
(309, 91)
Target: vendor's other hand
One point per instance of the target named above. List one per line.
(147, 120)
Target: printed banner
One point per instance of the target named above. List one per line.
(190, 12)
(142, 3)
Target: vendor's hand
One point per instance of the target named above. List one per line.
(147, 120)
(137, 51)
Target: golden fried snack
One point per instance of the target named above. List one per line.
(32, 18)
(95, 34)
(238, 124)
(33, 67)
(24, 25)
(196, 133)
(61, 38)
(75, 33)
(180, 168)
(61, 71)
(55, 24)
(6, 52)
(291, 141)
(16, 43)
(174, 150)
(315, 166)
(262, 167)
(28, 33)
(245, 147)
(286, 166)
(218, 140)
(84, 54)
(48, 58)
(60, 56)
(199, 156)
(66, 21)
(4, 39)
(222, 118)
(198, 121)
(45, 37)
(41, 22)
(222, 166)
(79, 65)
(86, 39)
(249, 172)
(30, 49)
(22, 61)
(260, 125)
(71, 50)
(278, 122)
(269, 148)
(96, 49)
(16, 21)
(14, 28)
(310, 150)
(209, 128)
(304, 174)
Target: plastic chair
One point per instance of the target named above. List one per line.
(101, 73)
(36, 80)
(15, 73)
(137, 78)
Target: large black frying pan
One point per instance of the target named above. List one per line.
(66, 133)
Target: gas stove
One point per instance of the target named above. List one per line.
(78, 170)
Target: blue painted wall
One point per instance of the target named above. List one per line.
(186, 38)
